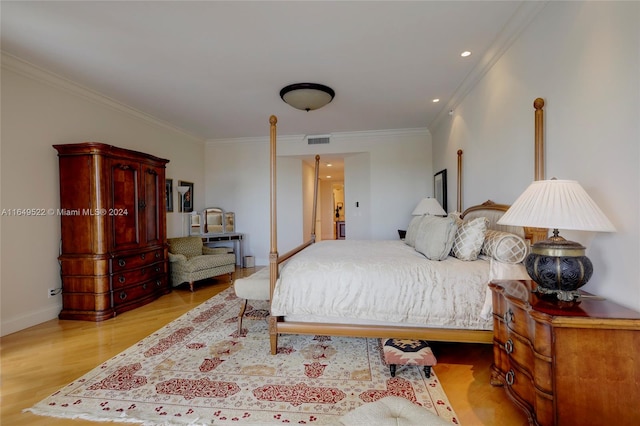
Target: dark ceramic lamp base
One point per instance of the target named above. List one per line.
(559, 267)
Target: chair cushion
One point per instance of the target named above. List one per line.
(253, 287)
(203, 262)
(189, 246)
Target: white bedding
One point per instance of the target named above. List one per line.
(373, 281)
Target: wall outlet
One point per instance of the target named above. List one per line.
(52, 292)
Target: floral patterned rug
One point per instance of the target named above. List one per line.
(197, 370)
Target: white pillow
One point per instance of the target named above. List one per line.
(469, 238)
(435, 237)
(504, 246)
(412, 229)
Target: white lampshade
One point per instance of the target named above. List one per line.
(183, 189)
(429, 206)
(556, 204)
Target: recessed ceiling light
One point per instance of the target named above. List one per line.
(465, 54)
(328, 176)
(435, 100)
(329, 165)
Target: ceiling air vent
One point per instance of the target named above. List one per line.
(318, 139)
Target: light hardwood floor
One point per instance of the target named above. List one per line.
(40, 360)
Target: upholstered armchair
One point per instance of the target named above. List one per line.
(190, 260)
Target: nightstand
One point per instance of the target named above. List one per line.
(566, 363)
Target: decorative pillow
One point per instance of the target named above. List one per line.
(412, 229)
(469, 238)
(435, 237)
(504, 246)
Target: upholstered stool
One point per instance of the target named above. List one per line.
(392, 411)
(253, 287)
(407, 352)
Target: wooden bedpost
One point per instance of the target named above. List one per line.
(538, 104)
(459, 205)
(315, 200)
(273, 253)
(538, 234)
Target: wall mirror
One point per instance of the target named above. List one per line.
(213, 220)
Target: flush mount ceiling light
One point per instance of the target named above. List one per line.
(307, 96)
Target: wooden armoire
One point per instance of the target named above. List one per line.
(113, 250)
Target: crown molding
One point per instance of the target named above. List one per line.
(27, 69)
(524, 15)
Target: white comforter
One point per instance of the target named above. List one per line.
(347, 281)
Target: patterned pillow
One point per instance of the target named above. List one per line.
(412, 229)
(469, 238)
(504, 246)
(435, 237)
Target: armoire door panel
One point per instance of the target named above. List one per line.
(125, 203)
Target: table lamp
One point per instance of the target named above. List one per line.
(429, 206)
(558, 266)
(182, 190)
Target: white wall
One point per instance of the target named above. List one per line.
(39, 110)
(583, 59)
(387, 172)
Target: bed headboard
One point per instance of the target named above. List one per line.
(493, 212)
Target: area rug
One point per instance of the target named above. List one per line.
(198, 370)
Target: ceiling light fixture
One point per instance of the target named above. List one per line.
(307, 96)
(465, 54)
(435, 100)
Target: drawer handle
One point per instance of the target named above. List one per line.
(508, 347)
(157, 269)
(143, 255)
(158, 283)
(157, 255)
(144, 286)
(122, 279)
(508, 316)
(121, 263)
(509, 378)
(123, 295)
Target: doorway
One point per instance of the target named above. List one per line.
(331, 207)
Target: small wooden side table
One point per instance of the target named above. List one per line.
(566, 363)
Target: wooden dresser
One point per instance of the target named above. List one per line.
(564, 363)
(113, 252)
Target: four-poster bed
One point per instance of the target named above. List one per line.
(289, 316)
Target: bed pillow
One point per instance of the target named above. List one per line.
(504, 246)
(469, 238)
(412, 229)
(435, 237)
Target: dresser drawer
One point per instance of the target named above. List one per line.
(517, 320)
(136, 293)
(520, 385)
(520, 351)
(130, 277)
(123, 263)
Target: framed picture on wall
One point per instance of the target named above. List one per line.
(440, 188)
(186, 200)
(168, 185)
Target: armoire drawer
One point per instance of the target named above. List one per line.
(131, 277)
(138, 292)
(122, 263)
